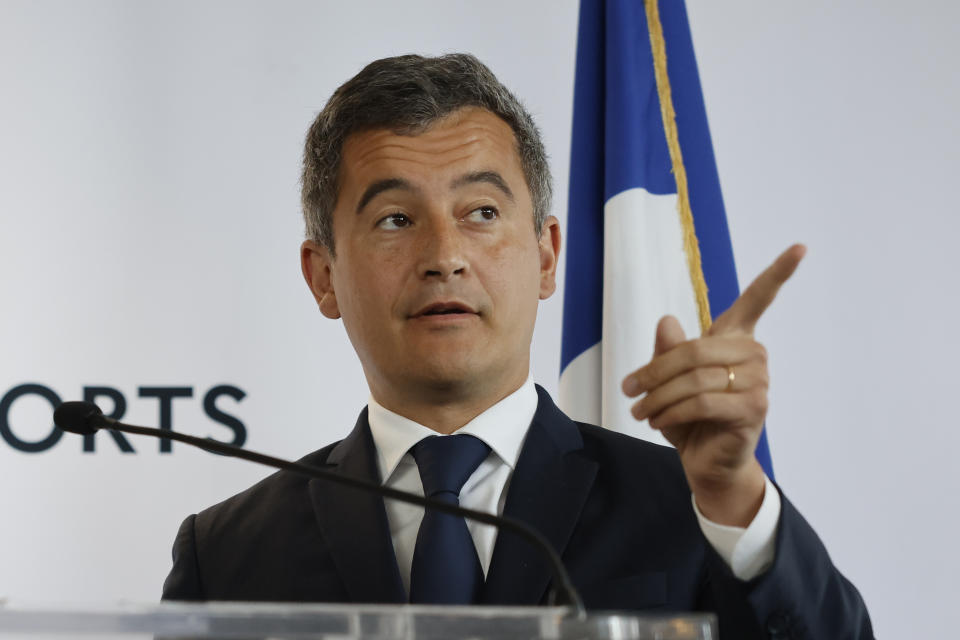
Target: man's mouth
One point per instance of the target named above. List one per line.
(445, 309)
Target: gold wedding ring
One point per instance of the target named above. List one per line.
(731, 376)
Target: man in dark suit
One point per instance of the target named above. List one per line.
(426, 193)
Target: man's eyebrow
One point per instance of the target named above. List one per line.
(490, 177)
(379, 187)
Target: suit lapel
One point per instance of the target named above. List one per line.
(548, 489)
(354, 523)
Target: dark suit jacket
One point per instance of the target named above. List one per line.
(616, 508)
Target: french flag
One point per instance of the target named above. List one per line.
(647, 232)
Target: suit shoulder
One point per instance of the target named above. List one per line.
(636, 460)
(252, 545)
(600, 438)
(273, 495)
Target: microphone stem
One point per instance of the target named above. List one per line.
(565, 592)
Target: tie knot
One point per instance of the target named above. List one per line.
(445, 462)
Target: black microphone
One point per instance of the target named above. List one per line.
(86, 418)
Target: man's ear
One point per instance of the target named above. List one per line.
(549, 254)
(317, 266)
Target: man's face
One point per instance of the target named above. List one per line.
(438, 267)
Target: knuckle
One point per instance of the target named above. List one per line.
(645, 405)
(764, 378)
(639, 379)
(759, 401)
(701, 378)
(641, 383)
(762, 354)
(703, 404)
(657, 414)
(696, 350)
(656, 372)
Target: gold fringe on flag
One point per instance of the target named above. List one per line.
(690, 244)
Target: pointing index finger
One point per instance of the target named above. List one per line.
(743, 314)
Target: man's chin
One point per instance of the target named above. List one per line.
(447, 377)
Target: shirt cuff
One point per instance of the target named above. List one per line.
(748, 552)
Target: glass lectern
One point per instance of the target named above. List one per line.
(333, 621)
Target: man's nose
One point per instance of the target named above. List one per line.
(442, 251)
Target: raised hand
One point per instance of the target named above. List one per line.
(708, 396)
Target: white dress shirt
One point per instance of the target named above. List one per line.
(503, 428)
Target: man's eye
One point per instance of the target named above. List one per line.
(482, 215)
(394, 221)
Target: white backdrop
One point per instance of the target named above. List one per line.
(149, 161)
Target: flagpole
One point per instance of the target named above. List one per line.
(691, 245)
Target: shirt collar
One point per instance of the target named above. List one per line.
(502, 427)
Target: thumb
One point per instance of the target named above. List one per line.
(669, 335)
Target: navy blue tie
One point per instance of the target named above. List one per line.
(445, 568)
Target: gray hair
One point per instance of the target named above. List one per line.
(407, 94)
